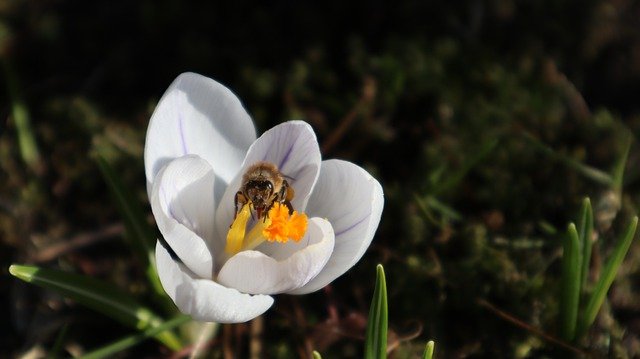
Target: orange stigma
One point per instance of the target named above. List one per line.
(284, 226)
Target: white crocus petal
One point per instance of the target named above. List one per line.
(352, 201)
(204, 299)
(198, 115)
(183, 206)
(254, 272)
(293, 147)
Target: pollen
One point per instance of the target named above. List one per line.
(283, 226)
(278, 226)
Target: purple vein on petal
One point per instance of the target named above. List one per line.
(266, 153)
(182, 139)
(184, 221)
(286, 157)
(353, 225)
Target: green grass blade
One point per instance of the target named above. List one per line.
(618, 169)
(142, 236)
(316, 355)
(21, 118)
(97, 295)
(445, 210)
(428, 350)
(57, 346)
(430, 204)
(585, 232)
(590, 172)
(607, 277)
(474, 159)
(376, 336)
(571, 279)
(129, 341)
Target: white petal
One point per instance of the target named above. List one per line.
(197, 115)
(293, 147)
(255, 272)
(182, 201)
(203, 299)
(352, 201)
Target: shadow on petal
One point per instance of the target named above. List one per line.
(352, 200)
(204, 299)
(183, 205)
(256, 272)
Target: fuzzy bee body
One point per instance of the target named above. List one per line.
(262, 186)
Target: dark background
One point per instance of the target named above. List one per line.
(470, 114)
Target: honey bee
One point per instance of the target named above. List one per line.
(263, 185)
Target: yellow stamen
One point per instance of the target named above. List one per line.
(235, 236)
(278, 226)
(255, 237)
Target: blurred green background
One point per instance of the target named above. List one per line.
(486, 122)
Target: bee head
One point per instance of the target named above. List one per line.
(260, 194)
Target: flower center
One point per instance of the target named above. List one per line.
(278, 226)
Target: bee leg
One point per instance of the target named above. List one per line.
(289, 192)
(280, 196)
(239, 200)
(286, 195)
(289, 206)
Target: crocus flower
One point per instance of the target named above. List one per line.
(224, 266)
